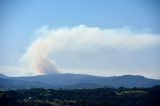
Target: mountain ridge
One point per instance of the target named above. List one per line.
(76, 81)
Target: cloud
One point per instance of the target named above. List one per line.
(78, 38)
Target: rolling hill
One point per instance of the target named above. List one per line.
(73, 81)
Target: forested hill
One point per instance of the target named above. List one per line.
(82, 97)
(75, 81)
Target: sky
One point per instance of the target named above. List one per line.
(104, 38)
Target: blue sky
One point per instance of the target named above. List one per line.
(20, 19)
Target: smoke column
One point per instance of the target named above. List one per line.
(50, 41)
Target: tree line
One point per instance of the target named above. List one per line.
(82, 97)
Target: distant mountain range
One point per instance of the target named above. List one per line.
(73, 81)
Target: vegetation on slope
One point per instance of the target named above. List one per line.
(82, 97)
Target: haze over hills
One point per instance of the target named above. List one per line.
(75, 81)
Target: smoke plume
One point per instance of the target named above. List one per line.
(51, 41)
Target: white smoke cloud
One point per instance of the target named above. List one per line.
(50, 41)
